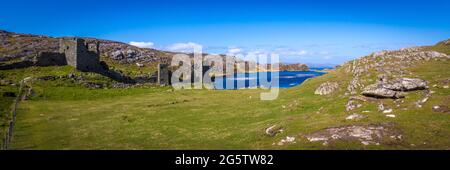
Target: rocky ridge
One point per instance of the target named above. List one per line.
(380, 78)
(14, 46)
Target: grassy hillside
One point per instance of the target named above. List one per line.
(66, 116)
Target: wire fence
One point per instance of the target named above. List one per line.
(9, 131)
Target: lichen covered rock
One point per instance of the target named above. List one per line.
(326, 88)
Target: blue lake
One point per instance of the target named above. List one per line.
(286, 79)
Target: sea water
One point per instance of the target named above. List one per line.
(286, 79)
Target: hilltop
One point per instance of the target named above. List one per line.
(15, 46)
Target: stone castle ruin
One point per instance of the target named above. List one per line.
(79, 54)
(72, 51)
(85, 56)
(164, 74)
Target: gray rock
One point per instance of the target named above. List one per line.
(326, 88)
(351, 104)
(369, 134)
(378, 91)
(354, 116)
(117, 55)
(273, 130)
(394, 88)
(406, 84)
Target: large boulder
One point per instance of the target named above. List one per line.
(406, 84)
(326, 88)
(378, 91)
(394, 89)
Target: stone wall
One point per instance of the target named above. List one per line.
(68, 46)
(50, 59)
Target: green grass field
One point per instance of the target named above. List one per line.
(63, 116)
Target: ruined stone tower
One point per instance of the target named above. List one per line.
(79, 54)
(163, 74)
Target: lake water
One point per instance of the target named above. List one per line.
(286, 79)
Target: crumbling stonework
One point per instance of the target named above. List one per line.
(163, 74)
(72, 51)
(50, 59)
(79, 54)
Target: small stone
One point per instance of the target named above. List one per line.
(390, 115)
(365, 143)
(381, 107)
(441, 108)
(139, 65)
(290, 139)
(387, 111)
(424, 100)
(313, 139)
(273, 130)
(354, 116)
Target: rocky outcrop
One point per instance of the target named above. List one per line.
(370, 134)
(406, 84)
(327, 88)
(395, 88)
(14, 46)
(377, 91)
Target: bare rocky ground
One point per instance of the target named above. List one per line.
(367, 134)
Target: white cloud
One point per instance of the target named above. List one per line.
(184, 47)
(290, 52)
(142, 44)
(234, 50)
(258, 52)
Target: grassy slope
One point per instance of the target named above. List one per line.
(158, 118)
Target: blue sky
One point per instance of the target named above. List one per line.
(300, 31)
